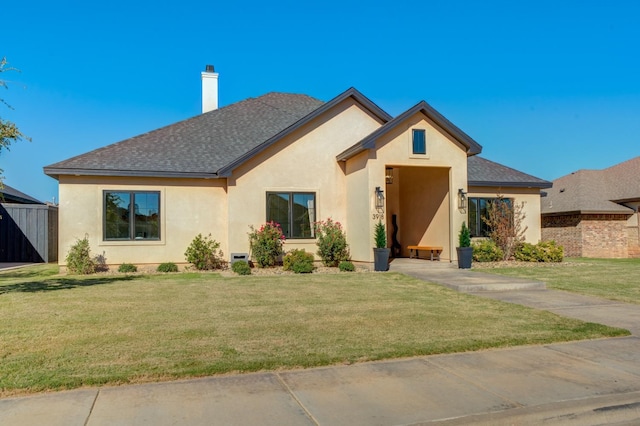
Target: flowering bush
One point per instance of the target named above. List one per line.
(332, 243)
(266, 244)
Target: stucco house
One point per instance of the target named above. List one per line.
(292, 159)
(594, 213)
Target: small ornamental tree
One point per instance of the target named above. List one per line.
(380, 235)
(464, 237)
(504, 219)
(266, 244)
(331, 242)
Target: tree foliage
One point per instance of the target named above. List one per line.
(9, 132)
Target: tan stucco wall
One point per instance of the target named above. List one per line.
(188, 207)
(531, 199)
(425, 182)
(305, 161)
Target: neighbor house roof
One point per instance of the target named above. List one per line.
(209, 145)
(595, 191)
(482, 172)
(438, 119)
(12, 195)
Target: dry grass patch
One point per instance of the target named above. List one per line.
(61, 332)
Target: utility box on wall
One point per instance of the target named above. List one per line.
(236, 257)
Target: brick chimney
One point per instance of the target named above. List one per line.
(209, 89)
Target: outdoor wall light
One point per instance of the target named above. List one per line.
(379, 198)
(388, 174)
(462, 199)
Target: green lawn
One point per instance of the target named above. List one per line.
(59, 332)
(615, 279)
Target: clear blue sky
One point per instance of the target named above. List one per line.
(546, 87)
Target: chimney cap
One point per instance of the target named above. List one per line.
(209, 68)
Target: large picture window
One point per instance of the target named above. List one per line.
(294, 211)
(477, 210)
(131, 215)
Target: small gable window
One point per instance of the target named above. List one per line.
(131, 215)
(419, 141)
(294, 211)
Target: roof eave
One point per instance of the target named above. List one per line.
(56, 172)
(574, 212)
(541, 185)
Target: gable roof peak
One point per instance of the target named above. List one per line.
(423, 107)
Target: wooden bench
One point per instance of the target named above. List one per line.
(433, 249)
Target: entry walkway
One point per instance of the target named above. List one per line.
(580, 383)
(465, 280)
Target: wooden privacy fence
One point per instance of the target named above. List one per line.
(28, 233)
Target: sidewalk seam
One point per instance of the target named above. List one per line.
(478, 385)
(93, 404)
(589, 360)
(295, 398)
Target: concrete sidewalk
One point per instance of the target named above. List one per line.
(581, 383)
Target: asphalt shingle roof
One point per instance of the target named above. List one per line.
(595, 191)
(482, 172)
(12, 195)
(213, 143)
(199, 146)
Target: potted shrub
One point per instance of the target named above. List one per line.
(380, 252)
(465, 251)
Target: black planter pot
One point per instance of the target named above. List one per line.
(381, 259)
(465, 257)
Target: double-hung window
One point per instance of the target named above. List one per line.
(294, 211)
(131, 215)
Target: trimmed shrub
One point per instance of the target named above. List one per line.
(266, 244)
(167, 267)
(298, 261)
(346, 266)
(331, 242)
(79, 260)
(545, 251)
(204, 253)
(127, 267)
(486, 251)
(241, 268)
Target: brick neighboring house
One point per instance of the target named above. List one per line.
(594, 213)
